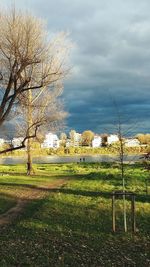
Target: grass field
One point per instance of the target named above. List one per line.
(71, 225)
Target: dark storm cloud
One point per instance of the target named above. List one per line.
(110, 60)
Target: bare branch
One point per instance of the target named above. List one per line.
(29, 61)
(22, 143)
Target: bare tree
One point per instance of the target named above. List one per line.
(72, 135)
(28, 60)
(43, 109)
(63, 138)
(121, 154)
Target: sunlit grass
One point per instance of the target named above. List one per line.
(72, 226)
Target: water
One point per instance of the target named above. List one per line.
(68, 159)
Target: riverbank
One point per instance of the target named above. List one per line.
(68, 159)
(78, 151)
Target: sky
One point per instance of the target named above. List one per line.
(110, 61)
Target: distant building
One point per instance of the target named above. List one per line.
(8, 142)
(17, 141)
(132, 142)
(51, 141)
(2, 141)
(97, 141)
(77, 139)
(112, 139)
(68, 142)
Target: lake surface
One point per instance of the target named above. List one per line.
(67, 159)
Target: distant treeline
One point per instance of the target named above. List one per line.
(100, 150)
(144, 139)
(78, 151)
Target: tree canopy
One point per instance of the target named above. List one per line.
(87, 137)
(29, 60)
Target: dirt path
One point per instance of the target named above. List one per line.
(37, 192)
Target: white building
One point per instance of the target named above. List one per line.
(132, 142)
(2, 141)
(112, 139)
(17, 141)
(77, 139)
(51, 141)
(68, 143)
(97, 141)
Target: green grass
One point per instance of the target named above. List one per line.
(72, 226)
(6, 202)
(16, 174)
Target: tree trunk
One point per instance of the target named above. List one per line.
(123, 183)
(124, 196)
(124, 213)
(29, 158)
(29, 144)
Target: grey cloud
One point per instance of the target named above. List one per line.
(111, 58)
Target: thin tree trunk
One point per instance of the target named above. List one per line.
(29, 119)
(123, 184)
(124, 209)
(29, 158)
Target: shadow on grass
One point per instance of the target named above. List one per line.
(63, 217)
(88, 193)
(6, 202)
(108, 195)
(51, 228)
(85, 193)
